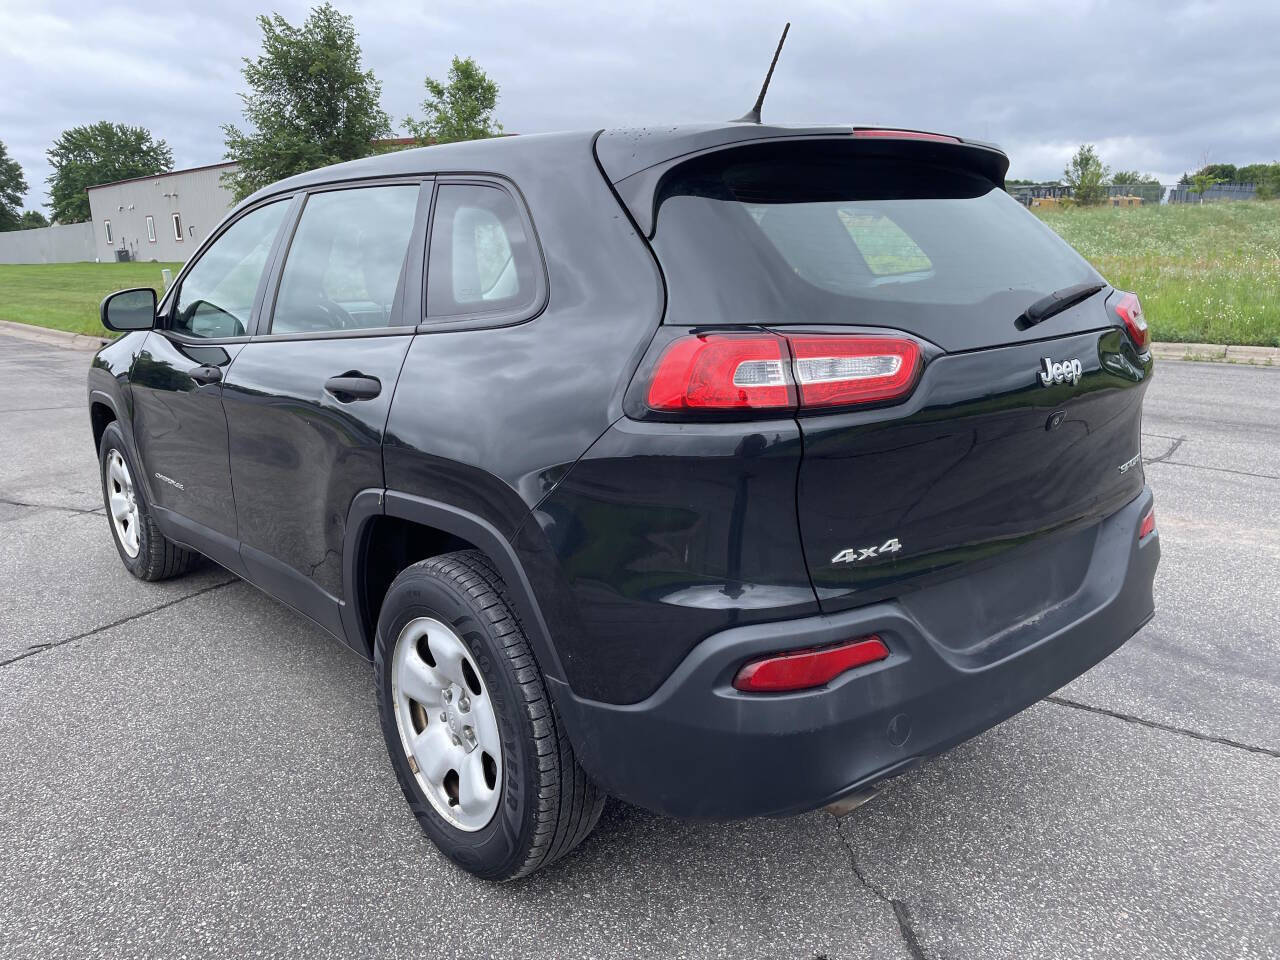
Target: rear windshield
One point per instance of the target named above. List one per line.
(821, 233)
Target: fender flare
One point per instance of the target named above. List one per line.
(120, 409)
(463, 524)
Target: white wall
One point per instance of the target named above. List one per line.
(60, 243)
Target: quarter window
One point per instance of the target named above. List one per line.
(481, 260)
(346, 260)
(217, 294)
(106, 230)
(151, 229)
(177, 227)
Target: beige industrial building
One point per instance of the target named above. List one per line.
(161, 217)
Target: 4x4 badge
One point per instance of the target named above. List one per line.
(1066, 371)
(855, 554)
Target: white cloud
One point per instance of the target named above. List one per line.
(1154, 85)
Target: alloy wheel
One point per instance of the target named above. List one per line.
(122, 501)
(447, 723)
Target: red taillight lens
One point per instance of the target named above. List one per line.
(1129, 309)
(723, 372)
(804, 669)
(764, 371)
(833, 371)
(1148, 526)
(880, 134)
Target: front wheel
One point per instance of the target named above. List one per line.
(146, 552)
(474, 738)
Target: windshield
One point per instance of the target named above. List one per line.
(817, 233)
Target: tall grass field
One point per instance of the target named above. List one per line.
(1206, 273)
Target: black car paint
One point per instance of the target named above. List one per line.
(626, 544)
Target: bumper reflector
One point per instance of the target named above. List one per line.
(1148, 526)
(803, 669)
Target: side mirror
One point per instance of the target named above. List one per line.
(127, 310)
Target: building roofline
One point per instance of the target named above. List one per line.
(157, 176)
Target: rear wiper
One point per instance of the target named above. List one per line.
(1056, 302)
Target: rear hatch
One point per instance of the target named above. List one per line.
(878, 235)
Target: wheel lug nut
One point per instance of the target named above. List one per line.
(456, 741)
(469, 733)
(444, 717)
(448, 695)
(464, 704)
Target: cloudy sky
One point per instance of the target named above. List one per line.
(1157, 85)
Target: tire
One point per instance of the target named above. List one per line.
(538, 800)
(146, 552)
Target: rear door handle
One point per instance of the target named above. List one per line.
(353, 386)
(205, 374)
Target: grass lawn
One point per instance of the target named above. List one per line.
(65, 296)
(1206, 273)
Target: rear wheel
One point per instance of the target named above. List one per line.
(146, 552)
(474, 739)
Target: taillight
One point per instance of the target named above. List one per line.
(834, 371)
(1148, 525)
(723, 372)
(1129, 309)
(765, 371)
(805, 669)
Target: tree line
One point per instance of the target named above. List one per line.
(309, 103)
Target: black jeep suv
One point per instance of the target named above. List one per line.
(727, 469)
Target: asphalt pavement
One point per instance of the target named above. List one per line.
(191, 769)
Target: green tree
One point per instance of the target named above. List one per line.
(1201, 182)
(1220, 172)
(1087, 176)
(1254, 172)
(99, 153)
(31, 219)
(1132, 178)
(310, 103)
(461, 109)
(13, 187)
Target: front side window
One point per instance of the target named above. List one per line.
(481, 260)
(217, 294)
(346, 260)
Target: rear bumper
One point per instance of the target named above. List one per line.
(699, 748)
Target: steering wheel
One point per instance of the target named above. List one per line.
(339, 319)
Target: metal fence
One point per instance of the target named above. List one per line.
(1121, 195)
(1219, 191)
(60, 243)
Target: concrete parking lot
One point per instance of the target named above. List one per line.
(191, 769)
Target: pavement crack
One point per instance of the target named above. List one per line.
(901, 912)
(38, 648)
(47, 506)
(1177, 442)
(1167, 728)
(1201, 466)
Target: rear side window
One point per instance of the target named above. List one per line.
(824, 234)
(346, 260)
(481, 260)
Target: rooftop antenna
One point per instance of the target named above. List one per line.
(753, 115)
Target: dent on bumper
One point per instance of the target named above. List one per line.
(699, 748)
